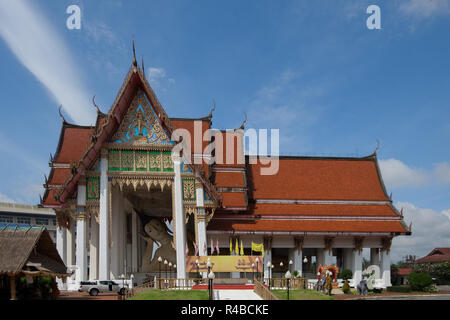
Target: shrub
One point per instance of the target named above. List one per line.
(399, 289)
(295, 273)
(420, 281)
(345, 274)
(346, 287)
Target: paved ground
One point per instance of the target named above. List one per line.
(236, 295)
(74, 295)
(413, 297)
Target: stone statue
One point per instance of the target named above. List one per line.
(157, 231)
(362, 288)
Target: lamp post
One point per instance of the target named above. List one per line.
(281, 269)
(271, 272)
(253, 269)
(305, 261)
(170, 270)
(159, 262)
(132, 284)
(268, 272)
(208, 264)
(288, 277)
(165, 266)
(290, 264)
(211, 277)
(257, 260)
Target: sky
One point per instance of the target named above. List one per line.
(310, 68)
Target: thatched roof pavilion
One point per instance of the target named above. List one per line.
(30, 251)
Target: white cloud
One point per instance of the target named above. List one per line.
(158, 77)
(425, 8)
(442, 172)
(397, 174)
(430, 229)
(37, 45)
(5, 198)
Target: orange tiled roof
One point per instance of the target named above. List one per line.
(306, 226)
(229, 180)
(233, 199)
(319, 179)
(74, 142)
(188, 124)
(59, 175)
(266, 209)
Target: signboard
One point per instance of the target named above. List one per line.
(224, 264)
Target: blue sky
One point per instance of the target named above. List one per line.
(311, 68)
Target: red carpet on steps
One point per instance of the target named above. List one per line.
(223, 287)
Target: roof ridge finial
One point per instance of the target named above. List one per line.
(95, 105)
(134, 55)
(243, 122)
(377, 147)
(212, 109)
(60, 114)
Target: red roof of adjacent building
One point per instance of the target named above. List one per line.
(436, 256)
(404, 271)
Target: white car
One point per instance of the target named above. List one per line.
(94, 287)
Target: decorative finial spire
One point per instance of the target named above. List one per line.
(134, 55)
(243, 122)
(390, 196)
(45, 179)
(143, 68)
(95, 105)
(60, 114)
(212, 110)
(41, 201)
(377, 147)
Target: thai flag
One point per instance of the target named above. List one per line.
(212, 247)
(217, 246)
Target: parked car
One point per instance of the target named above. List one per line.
(94, 287)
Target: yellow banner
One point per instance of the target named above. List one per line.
(258, 247)
(224, 264)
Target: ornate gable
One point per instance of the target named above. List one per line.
(140, 125)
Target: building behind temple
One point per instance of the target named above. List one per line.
(117, 184)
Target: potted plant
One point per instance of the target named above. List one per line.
(345, 275)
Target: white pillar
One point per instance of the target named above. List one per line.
(267, 258)
(357, 266)
(114, 262)
(375, 256)
(81, 254)
(201, 223)
(327, 257)
(297, 258)
(104, 220)
(61, 243)
(386, 267)
(134, 242)
(81, 251)
(179, 227)
(70, 244)
(93, 250)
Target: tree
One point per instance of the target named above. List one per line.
(365, 263)
(420, 281)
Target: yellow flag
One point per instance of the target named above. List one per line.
(242, 249)
(236, 248)
(258, 247)
(231, 247)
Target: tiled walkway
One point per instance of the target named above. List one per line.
(236, 295)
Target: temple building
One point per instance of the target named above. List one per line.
(122, 198)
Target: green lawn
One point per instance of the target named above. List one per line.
(301, 295)
(171, 295)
